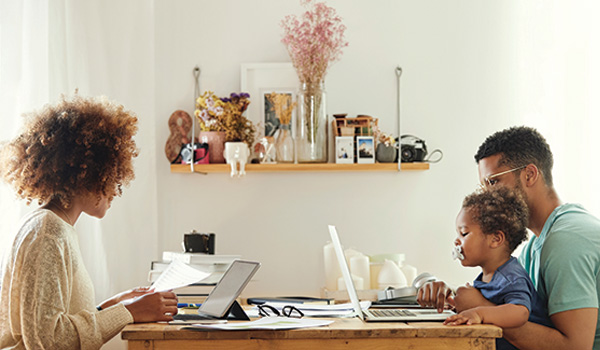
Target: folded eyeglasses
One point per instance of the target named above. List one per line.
(286, 311)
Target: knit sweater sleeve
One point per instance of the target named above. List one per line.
(46, 294)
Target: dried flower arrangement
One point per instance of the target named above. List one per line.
(384, 138)
(283, 106)
(314, 41)
(226, 114)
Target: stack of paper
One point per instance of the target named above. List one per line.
(265, 323)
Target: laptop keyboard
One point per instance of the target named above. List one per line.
(390, 312)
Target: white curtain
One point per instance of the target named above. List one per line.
(99, 47)
(23, 85)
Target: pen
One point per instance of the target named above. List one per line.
(179, 305)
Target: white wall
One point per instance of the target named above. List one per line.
(467, 73)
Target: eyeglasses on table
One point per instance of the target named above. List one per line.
(265, 310)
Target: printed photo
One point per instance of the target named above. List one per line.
(366, 149)
(344, 149)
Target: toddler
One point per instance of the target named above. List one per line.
(490, 225)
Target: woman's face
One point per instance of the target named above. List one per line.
(94, 208)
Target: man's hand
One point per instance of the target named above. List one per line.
(154, 307)
(435, 294)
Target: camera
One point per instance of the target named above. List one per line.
(200, 153)
(412, 149)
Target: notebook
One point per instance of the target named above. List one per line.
(380, 315)
(221, 303)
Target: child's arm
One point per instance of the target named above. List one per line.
(505, 316)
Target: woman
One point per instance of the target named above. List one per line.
(72, 158)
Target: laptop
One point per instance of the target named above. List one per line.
(221, 302)
(380, 315)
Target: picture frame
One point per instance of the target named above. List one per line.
(344, 150)
(365, 149)
(257, 79)
(268, 115)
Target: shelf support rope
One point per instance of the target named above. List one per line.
(196, 73)
(398, 72)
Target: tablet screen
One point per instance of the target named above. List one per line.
(229, 288)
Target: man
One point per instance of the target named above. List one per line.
(562, 259)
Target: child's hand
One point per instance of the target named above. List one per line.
(467, 317)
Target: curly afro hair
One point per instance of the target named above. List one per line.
(519, 145)
(73, 145)
(500, 209)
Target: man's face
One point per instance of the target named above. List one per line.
(490, 173)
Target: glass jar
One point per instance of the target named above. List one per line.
(311, 127)
(284, 144)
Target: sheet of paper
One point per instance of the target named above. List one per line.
(178, 274)
(310, 310)
(272, 323)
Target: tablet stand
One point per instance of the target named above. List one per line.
(236, 312)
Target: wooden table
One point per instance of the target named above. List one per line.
(342, 334)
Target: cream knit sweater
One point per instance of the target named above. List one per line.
(47, 296)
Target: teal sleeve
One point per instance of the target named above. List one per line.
(569, 265)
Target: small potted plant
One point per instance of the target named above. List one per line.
(387, 149)
(221, 120)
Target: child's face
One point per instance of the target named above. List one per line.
(474, 242)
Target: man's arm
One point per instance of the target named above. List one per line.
(575, 329)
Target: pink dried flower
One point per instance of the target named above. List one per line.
(314, 41)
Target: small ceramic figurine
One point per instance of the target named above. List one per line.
(236, 153)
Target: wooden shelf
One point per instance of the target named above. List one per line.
(316, 167)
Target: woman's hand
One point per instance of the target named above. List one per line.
(153, 307)
(128, 294)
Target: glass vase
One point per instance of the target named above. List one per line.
(284, 144)
(311, 127)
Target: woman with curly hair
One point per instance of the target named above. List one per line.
(490, 225)
(72, 158)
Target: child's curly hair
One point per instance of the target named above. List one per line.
(500, 209)
(73, 145)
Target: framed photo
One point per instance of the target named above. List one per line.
(365, 153)
(344, 149)
(259, 79)
(268, 108)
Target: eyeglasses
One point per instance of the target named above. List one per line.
(287, 311)
(489, 181)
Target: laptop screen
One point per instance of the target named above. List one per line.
(229, 288)
(339, 252)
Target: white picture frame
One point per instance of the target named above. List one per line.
(344, 150)
(365, 150)
(257, 79)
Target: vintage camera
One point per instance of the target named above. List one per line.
(412, 149)
(200, 153)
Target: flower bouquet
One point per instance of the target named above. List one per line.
(314, 41)
(226, 114)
